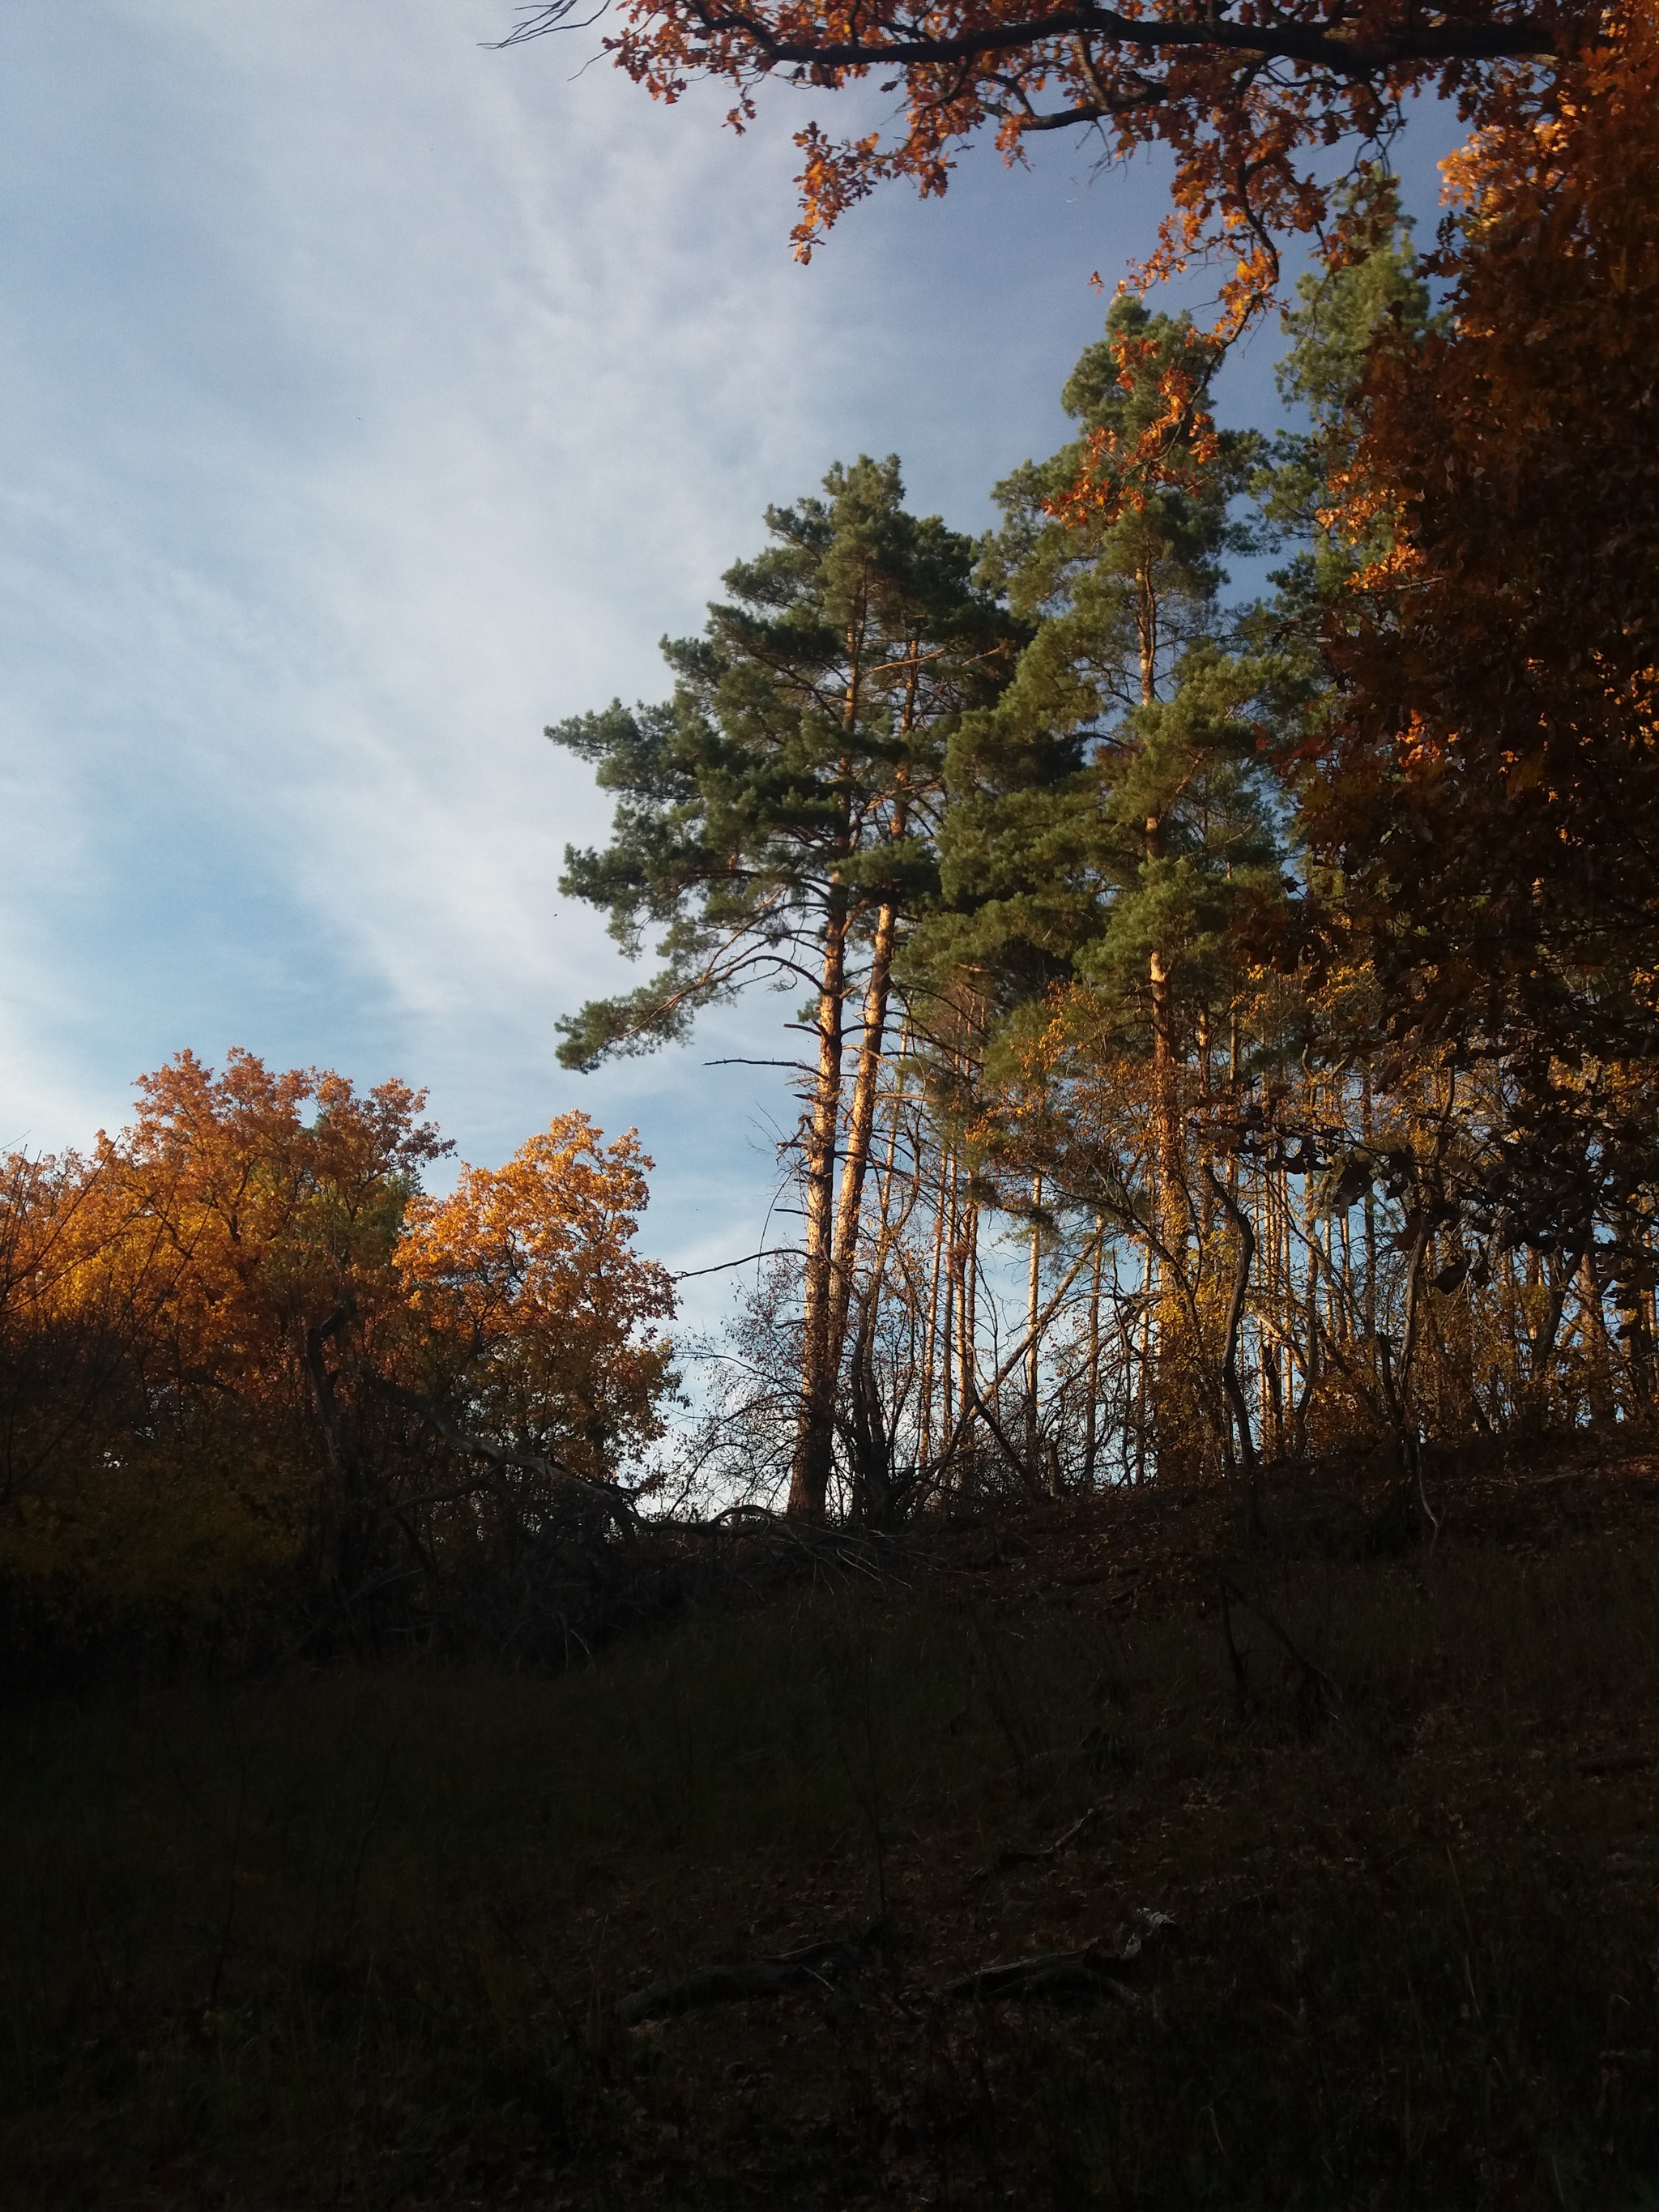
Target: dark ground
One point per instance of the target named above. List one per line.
(355, 1935)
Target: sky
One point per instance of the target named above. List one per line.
(368, 400)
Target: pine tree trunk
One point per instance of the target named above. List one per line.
(967, 1330)
(1091, 1415)
(930, 1340)
(809, 1482)
(1033, 1292)
(860, 1130)
(948, 1324)
(1144, 1375)
(1172, 1381)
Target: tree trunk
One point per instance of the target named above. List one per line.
(344, 1533)
(930, 1337)
(1174, 1349)
(1033, 1293)
(808, 1481)
(860, 1130)
(1598, 1362)
(1091, 1410)
(967, 1330)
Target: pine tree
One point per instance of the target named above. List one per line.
(1111, 811)
(776, 820)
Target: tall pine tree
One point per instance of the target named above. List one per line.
(776, 820)
(1111, 811)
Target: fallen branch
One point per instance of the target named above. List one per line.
(813, 1964)
(1051, 1974)
(1628, 1762)
(1091, 1972)
(1004, 1860)
(875, 1553)
(1097, 1749)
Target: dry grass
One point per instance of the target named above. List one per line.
(350, 1937)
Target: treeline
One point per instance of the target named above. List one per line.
(1232, 1028)
(259, 1393)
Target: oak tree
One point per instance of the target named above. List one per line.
(536, 1310)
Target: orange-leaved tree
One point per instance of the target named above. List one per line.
(1246, 99)
(248, 1220)
(537, 1307)
(1493, 788)
(237, 1344)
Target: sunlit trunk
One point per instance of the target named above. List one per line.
(860, 1128)
(1092, 1414)
(1033, 1289)
(809, 1482)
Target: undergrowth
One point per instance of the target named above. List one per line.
(352, 1936)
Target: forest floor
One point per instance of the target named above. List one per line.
(1349, 1885)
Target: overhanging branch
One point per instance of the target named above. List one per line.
(1359, 52)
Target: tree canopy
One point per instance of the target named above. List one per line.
(778, 819)
(251, 1376)
(1282, 975)
(1247, 100)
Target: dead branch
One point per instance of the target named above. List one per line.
(1051, 1974)
(1004, 1860)
(876, 1553)
(1016, 1464)
(814, 1965)
(1632, 1762)
(1091, 1972)
(1314, 1679)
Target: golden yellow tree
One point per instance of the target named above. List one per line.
(539, 1308)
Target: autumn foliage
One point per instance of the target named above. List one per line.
(1248, 101)
(1279, 1052)
(252, 1371)
(1494, 781)
(525, 1282)
(1248, 1013)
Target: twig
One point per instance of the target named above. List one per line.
(770, 1252)
(1314, 1677)
(813, 1963)
(1004, 1860)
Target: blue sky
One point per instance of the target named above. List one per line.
(368, 400)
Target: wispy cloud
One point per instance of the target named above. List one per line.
(367, 400)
